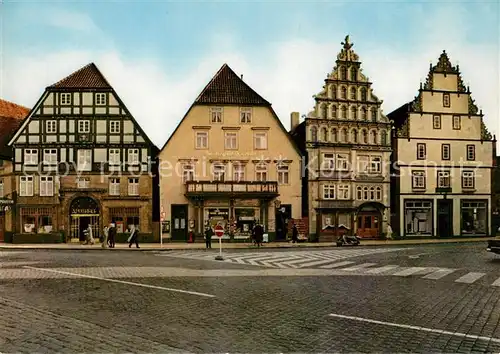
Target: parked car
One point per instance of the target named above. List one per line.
(494, 246)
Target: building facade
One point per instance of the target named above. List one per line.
(443, 160)
(11, 116)
(229, 161)
(81, 159)
(346, 139)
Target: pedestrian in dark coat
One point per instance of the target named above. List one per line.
(208, 236)
(295, 234)
(112, 235)
(259, 234)
(134, 237)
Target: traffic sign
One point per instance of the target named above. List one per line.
(219, 231)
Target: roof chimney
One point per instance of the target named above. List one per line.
(241, 76)
(294, 120)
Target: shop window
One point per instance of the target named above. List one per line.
(37, 220)
(418, 217)
(124, 218)
(474, 217)
(245, 221)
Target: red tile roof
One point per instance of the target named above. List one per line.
(11, 117)
(227, 88)
(87, 77)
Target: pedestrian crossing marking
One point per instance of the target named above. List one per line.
(359, 266)
(438, 274)
(410, 271)
(336, 265)
(470, 278)
(383, 269)
(496, 282)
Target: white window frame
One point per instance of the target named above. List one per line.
(187, 173)
(65, 99)
(114, 157)
(245, 114)
(50, 156)
(376, 164)
(83, 182)
(216, 115)
(468, 179)
(84, 126)
(343, 191)
(133, 156)
(46, 186)
(378, 193)
(329, 191)
(238, 172)
(31, 156)
(51, 127)
(26, 186)
(328, 163)
(363, 163)
(283, 171)
(114, 186)
(261, 172)
(2, 188)
(418, 179)
(114, 127)
(260, 140)
(219, 172)
(133, 186)
(342, 162)
(84, 160)
(231, 140)
(100, 99)
(201, 140)
(442, 178)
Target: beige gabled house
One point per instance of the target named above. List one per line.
(443, 160)
(229, 161)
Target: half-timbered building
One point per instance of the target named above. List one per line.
(80, 159)
(11, 117)
(346, 139)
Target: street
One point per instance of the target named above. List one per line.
(418, 298)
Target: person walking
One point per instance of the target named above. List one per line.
(134, 237)
(106, 235)
(389, 232)
(111, 235)
(208, 236)
(89, 235)
(259, 234)
(295, 233)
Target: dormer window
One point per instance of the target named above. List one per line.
(446, 100)
(245, 115)
(216, 114)
(65, 99)
(100, 99)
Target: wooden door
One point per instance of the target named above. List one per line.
(2, 228)
(368, 225)
(179, 224)
(445, 218)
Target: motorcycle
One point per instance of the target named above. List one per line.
(348, 241)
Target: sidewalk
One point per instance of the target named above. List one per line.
(171, 246)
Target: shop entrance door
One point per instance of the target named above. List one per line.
(2, 228)
(179, 220)
(283, 214)
(368, 225)
(445, 218)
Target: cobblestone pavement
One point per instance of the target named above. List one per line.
(273, 313)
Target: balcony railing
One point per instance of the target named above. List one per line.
(200, 188)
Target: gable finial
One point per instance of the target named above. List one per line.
(346, 43)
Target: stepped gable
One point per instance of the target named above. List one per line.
(227, 88)
(88, 77)
(11, 117)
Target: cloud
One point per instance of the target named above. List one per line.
(71, 20)
(287, 74)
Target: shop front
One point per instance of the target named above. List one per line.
(474, 217)
(418, 218)
(369, 220)
(84, 211)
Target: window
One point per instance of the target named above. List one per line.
(100, 99)
(245, 115)
(354, 112)
(374, 114)
(378, 192)
(421, 151)
(471, 152)
(342, 163)
(335, 137)
(219, 171)
(376, 164)
(343, 191)
(314, 134)
(202, 140)
(50, 156)
(418, 179)
(114, 186)
(187, 173)
(329, 192)
(345, 135)
(372, 193)
(37, 220)
(474, 215)
(445, 151)
(46, 186)
(359, 193)
(31, 157)
(216, 114)
(261, 172)
(418, 216)
(124, 218)
(364, 113)
(133, 186)
(2, 191)
(238, 172)
(363, 94)
(65, 99)
(83, 182)
(468, 179)
(133, 156)
(231, 140)
(343, 73)
(334, 111)
(436, 122)
(446, 100)
(353, 93)
(114, 157)
(363, 161)
(328, 162)
(324, 111)
(114, 127)
(84, 126)
(283, 174)
(354, 74)
(51, 127)
(444, 179)
(365, 193)
(333, 91)
(324, 134)
(260, 140)
(343, 92)
(456, 122)
(374, 137)
(84, 160)
(26, 186)
(354, 135)
(364, 134)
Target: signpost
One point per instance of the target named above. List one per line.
(219, 232)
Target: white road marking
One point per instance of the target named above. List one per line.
(410, 271)
(358, 267)
(418, 328)
(470, 278)
(291, 264)
(440, 273)
(382, 269)
(336, 265)
(276, 262)
(315, 263)
(496, 282)
(121, 281)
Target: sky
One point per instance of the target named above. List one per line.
(159, 55)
